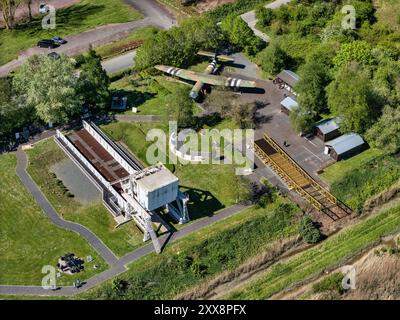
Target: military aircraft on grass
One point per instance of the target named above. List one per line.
(208, 77)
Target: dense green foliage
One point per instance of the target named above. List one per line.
(179, 45)
(350, 97)
(50, 86)
(241, 35)
(309, 231)
(385, 133)
(333, 282)
(182, 108)
(237, 7)
(359, 67)
(273, 59)
(94, 83)
(169, 274)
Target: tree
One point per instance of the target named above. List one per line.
(241, 35)
(386, 81)
(13, 115)
(302, 120)
(49, 85)
(243, 114)
(385, 133)
(358, 51)
(308, 230)
(350, 97)
(273, 59)
(314, 77)
(8, 9)
(264, 15)
(94, 82)
(178, 46)
(182, 108)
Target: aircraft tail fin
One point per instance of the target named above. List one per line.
(215, 55)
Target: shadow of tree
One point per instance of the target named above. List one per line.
(135, 98)
(70, 17)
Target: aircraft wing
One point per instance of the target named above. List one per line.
(207, 78)
(226, 81)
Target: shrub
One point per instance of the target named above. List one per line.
(331, 282)
(308, 230)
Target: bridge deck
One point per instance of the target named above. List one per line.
(99, 157)
(299, 180)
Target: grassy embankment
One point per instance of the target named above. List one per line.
(329, 253)
(355, 180)
(29, 240)
(85, 15)
(206, 253)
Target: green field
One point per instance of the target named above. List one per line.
(355, 180)
(85, 15)
(195, 259)
(329, 253)
(28, 238)
(93, 216)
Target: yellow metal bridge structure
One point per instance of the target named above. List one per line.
(297, 179)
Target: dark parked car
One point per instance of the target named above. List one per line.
(46, 43)
(54, 55)
(59, 40)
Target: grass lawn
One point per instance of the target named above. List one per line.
(208, 252)
(361, 177)
(132, 41)
(28, 238)
(329, 253)
(85, 15)
(93, 216)
(211, 187)
(151, 95)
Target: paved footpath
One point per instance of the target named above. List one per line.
(117, 265)
(251, 20)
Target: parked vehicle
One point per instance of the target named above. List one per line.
(59, 40)
(44, 8)
(46, 43)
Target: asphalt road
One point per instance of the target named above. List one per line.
(119, 63)
(153, 13)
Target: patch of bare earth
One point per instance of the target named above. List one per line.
(207, 5)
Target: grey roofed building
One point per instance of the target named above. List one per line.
(327, 129)
(346, 145)
(289, 77)
(327, 126)
(288, 104)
